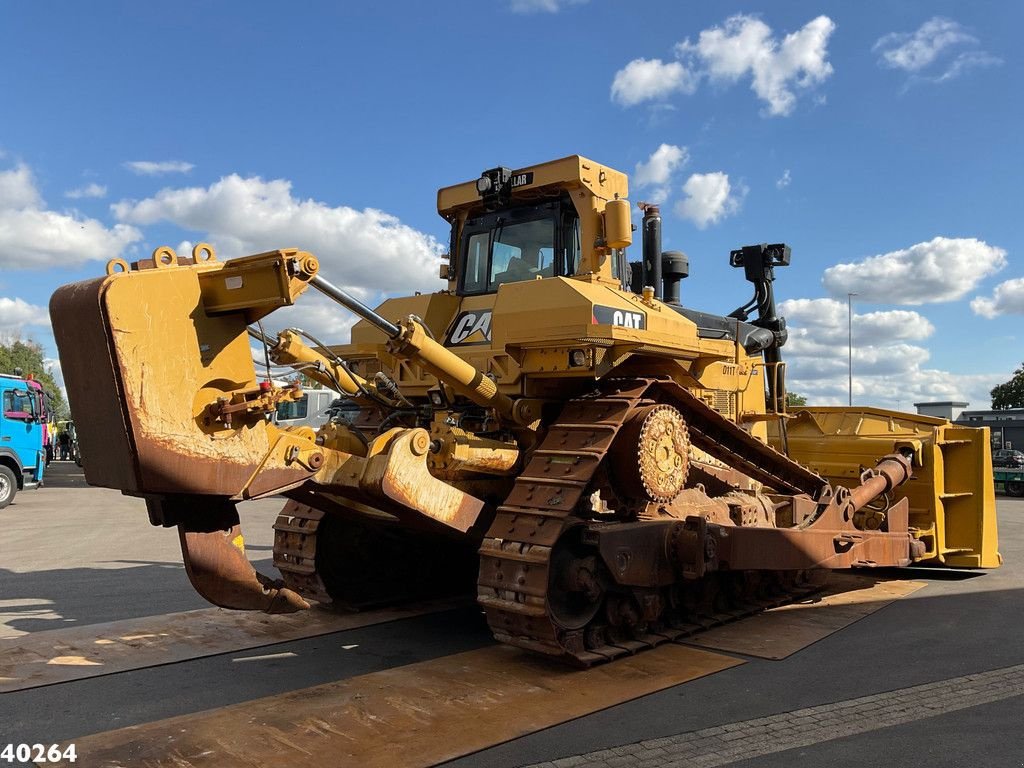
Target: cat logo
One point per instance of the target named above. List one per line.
(623, 318)
(473, 327)
(521, 179)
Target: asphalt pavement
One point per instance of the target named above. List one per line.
(73, 556)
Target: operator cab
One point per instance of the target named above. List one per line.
(563, 218)
(521, 243)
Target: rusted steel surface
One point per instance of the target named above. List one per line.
(164, 393)
(543, 586)
(213, 549)
(650, 459)
(418, 715)
(76, 653)
(516, 556)
(828, 539)
(731, 444)
(455, 452)
(295, 550)
(817, 547)
(781, 632)
(90, 373)
(890, 472)
(401, 476)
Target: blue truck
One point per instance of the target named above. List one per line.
(22, 430)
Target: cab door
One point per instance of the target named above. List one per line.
(20, 430)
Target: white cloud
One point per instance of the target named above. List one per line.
(16, 314)
(32, 237)
(784, 180)
(887, 371)
(966, 61)
(89, 190)
(927, 53)
(654, 175)
(154, 168)
(745, 45)
(368, 250)
(830, 321)
(18, 189)
(942, 269)
(541, 6)
(650, 80)
(895, 390)
(320, 316)
(709, 199)
(660, 165)
(1007, 299)
(913, 51)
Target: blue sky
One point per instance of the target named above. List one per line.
(881, 136)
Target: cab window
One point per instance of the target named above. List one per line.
(294, 410)
(18, 401)
(522, 252)
(476, 263)
(572, 246)
(517, 244)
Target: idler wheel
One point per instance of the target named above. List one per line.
(577, 582)
(651, 455)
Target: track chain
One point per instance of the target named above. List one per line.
(515, 556)
(295, 534)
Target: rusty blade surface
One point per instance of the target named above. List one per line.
(418, 715)
(213, 550)
(62, 655)
(217, 567)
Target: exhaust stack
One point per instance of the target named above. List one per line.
(651, 265)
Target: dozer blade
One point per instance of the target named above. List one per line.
(952, 506)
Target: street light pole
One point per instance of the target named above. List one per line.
(849, 347)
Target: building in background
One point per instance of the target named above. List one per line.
(945, 409)
(1007, 426)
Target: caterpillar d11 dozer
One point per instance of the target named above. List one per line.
(611, 467)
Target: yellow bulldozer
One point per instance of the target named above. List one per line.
(611, 467)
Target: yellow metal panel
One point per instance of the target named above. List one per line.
(569, 172)
(534, 324)
(951, 495)
(155, 318)
(258, 284)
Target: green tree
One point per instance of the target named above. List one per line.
(793, 400)
(28, 356)
(1011, 393)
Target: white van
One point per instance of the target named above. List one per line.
(308, 411)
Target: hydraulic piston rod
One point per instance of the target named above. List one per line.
(410, 341)
(350, 302)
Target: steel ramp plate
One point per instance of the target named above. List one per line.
(417, 715)
(782, 631)
(62, 655)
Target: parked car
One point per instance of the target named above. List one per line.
(1007, 457)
